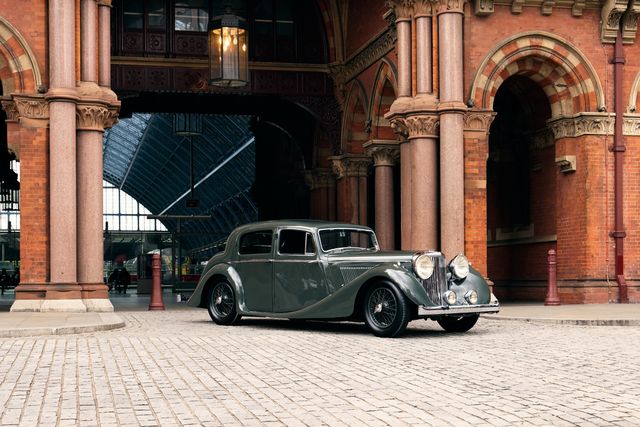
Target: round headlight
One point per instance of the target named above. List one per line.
(423, 266)
(460, 266)
(450, 297)
(471, 297)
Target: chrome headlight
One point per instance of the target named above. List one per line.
(459, 266)
(423, 265)
(450, 297)
(471, 297)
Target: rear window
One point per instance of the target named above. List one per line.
(256, 242)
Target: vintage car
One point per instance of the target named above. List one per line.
(333, 271)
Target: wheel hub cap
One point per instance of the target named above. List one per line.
(378, 308)
(219, 300)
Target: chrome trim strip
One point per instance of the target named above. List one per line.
(426, 311)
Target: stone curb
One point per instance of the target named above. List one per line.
(62, 330)
(577, 322)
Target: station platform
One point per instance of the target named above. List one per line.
(29, 324)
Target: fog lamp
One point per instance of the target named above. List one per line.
(450, 297)
(471, 297)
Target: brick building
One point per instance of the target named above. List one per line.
(500, 129)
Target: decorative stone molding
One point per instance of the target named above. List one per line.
(423, 126)
(319, 178)
(427, 7)
(566, 163)
(383, 152)
(631, 125)
(478, 121)
(630, 22)
(403, 8)
(450, 6)
(516, 6)
(582, 124)
(9, 107)
(547, 7)
(483, 7)
(612, 12)
(578, 7)
(92, 117)
(348, 165)
(399, 127)
(33, 110)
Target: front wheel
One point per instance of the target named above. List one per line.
(222, 304)
(386, 310)
(458, 324)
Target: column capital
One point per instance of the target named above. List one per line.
(384, 152)
(348, 165)
(97, 107)
(403, 9)
(106, 3)
(417, 126)
(319, 178)
(424, 8)
(478, 121)
(33, 109)
(611, 13)
(9, 107)
(450, 6)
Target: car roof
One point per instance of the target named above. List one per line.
(299, 223)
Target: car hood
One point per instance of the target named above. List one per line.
(373, 257)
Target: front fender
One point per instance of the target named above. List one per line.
(473, 281)
(224, 270)
(404, 279)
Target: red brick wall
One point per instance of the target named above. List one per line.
(364, 21)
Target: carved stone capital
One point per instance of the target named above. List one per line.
(516, 6)
(9, 107)
(630, 22)
(547, 7)
(426, 7)
(92, 117)
(612, 11)
(399, 127)
(350, 165)
(478, 121)
(578, 7)
(582, 124)
(319, 178)
(403, 9)
(450, 6)
(33, 109)
(383, 152)
(423, 126)
(483, 7)
(631, 125)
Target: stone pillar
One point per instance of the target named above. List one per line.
(451, 108)
(385, 154)
(320, 180)
(403, 10)
(63, 292)
(104, 42)
(424, 66)
(351, 172)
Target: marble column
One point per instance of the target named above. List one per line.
(385, 155)
(424, 66)
(451, 109)
(403, 10)
(104, 42)
(320, 180)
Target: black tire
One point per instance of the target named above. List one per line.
(386, 310)
(222, 304)
(458, 324)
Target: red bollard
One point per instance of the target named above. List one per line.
(156, 290)
(552, 289)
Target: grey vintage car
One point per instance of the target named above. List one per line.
(333, 271)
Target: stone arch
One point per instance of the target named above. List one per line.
(354, 125)
(562, 71)
(19, 69)
(331, 20)
(385, 90)
(633, 95)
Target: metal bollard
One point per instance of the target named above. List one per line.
(156, 290)
(552, 288)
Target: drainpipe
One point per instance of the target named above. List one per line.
(618, 150)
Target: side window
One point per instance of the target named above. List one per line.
(296, 242)
(257, 242)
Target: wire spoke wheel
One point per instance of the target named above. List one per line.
(383, 307)
(222, 304)
(386, 310)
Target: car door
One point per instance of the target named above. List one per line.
(298, 274)
(255, 267)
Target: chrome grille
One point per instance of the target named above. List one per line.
(353, 272)
(436, 285)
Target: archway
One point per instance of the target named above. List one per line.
(521, 186)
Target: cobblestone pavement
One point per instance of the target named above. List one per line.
(178, 368)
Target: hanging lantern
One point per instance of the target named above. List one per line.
(228, 51)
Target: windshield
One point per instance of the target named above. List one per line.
(342, 238)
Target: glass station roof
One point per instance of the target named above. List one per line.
(146, 159)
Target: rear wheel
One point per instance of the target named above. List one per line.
(458, 324)
(222, 304)
(386, 310)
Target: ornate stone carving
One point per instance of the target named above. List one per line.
(476, 120)
(631, 125)
(547, 7)
(566, 163)
(582, 124)
(578, 7)
(422, 126)
(612, 11)
(362, 60)
(402, 8)
(9, 107)
(33, 109)
(350, 165)
(319, 178)
(92, 117)
(483, 7)
(516, 6)
(630, 22)
(448, 6)
(399, 127)
(427, 7)
(383, 152)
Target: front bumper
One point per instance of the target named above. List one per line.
(453, 310)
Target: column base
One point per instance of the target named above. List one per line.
(24, 305)
(63, 306)
(98, 305)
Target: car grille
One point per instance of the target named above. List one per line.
(436, 285)
(354, 271)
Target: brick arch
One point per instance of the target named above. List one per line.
(385, 91)
(354, 124)
(562, 71)
(331, 20)
(19, 69)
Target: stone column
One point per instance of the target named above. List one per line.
(63, 293)
(385, 154)
(104, 42)
(424, 66)
(320, 180)
(351, 171)
(451, 108)
(403, 10)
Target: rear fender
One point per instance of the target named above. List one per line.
(198, 298)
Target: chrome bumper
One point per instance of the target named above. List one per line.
(461, 309)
